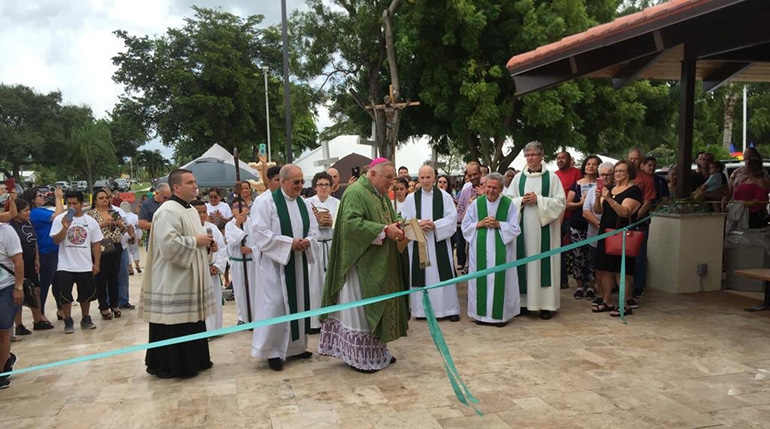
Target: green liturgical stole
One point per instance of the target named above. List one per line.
(288, 270)
(481, 259)
(442, 247)
(545, 240)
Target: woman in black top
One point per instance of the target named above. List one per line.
(618, 205)
(582, 266)
(28, 238)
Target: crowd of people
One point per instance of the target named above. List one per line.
(385, 232)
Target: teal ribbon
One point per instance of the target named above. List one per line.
(234, 259)
(461, 391)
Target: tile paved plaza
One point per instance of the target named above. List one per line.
(683, 361)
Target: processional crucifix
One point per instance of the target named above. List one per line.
(386, 118)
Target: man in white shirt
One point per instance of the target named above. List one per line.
(11, 294)
(79, 238)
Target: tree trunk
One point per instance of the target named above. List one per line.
(731, 99)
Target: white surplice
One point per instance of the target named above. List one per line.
(509, 230)
(275, 341)
(321, 248)
(217, 259)
(234, 236)
(444, 300)
(547, 211)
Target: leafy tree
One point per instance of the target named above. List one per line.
(28, 122)
(91, 150)
(200, 84)
(153, 163)
(128, 133)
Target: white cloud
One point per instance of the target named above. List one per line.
(54, 45)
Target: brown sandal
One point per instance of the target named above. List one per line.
(116, 313)
(107, 315)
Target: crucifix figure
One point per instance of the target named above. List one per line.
(386, 118)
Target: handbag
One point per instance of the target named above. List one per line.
(613, 245)
(30, 300)
(108, 246)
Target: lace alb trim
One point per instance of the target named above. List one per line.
(358, 349)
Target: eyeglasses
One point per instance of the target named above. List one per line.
(621, 171)
(442, 181)
(297, 182)
(606, 175)
(322, 185)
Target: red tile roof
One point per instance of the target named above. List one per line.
(643, 21)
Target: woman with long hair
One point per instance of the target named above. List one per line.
(618, 205)
(113, 228)
(48, 251)
(582, 266)
(28, 238)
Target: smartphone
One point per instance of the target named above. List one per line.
(262, 150)
(70, 214)
(600, 184)
(10, 184)
(115, 216)
(356, 172)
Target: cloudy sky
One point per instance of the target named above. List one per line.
(68, 45)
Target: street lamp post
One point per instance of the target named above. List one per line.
(267, 114)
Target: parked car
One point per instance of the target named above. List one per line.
(63, 185)
(122, 185)
(104, 184)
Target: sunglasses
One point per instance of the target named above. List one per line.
(297, 182)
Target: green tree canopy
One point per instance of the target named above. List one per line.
(202, 84)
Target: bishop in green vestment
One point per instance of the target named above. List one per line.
(364, 262)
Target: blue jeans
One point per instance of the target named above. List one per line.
(640, 276)
(48, 264)
(125, 262)
(7, 309)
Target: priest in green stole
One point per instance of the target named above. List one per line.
(491, 225)
(437, 215)
(283, 228)
(540, 196)
(364, 263)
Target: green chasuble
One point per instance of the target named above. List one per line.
(362, 215)
(498, 302)
(288, 270)
(545, 240)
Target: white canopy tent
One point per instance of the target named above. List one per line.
(413, 154)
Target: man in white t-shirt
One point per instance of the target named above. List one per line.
(79, 238)
(11, 294)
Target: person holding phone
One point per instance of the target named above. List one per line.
(42, 220)
(605, 178)
(113, 228)
(79, 238)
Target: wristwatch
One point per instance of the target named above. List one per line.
(20, 287)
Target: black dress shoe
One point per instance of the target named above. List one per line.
(276, 364)
(127, 306)
(393, 359)
(314, 331)
(545, 314)
(454, 318)
(524, 311)
(303, 355)
(495, 324)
